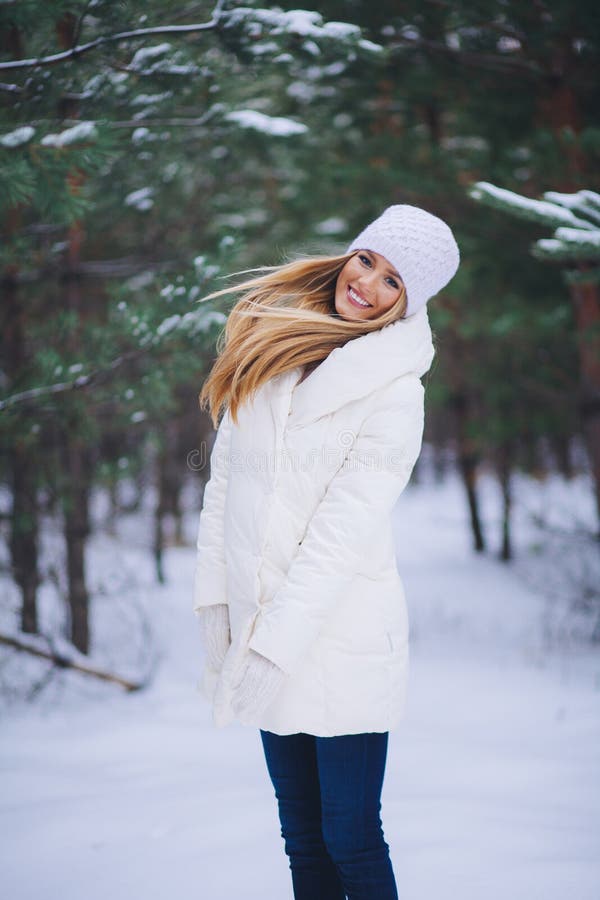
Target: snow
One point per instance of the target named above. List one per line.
(571, 201)
(592, 198)
(370, 47)
(301, 91)
(506, 44)
(539, 210)
(172, 69)
(17, 137)
(311, 47)
(141, 199)
(277, 126)
(264, 47)
(586, 203)
(141, 134)
(144, 54)
(333, 225)
(550, 246)
(303, 22)
(577, 236)
(83, 131)
(168, 325)
(492, 780)
(145, 99)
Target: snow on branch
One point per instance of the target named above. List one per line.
(303, 23)
(83, 131)
(190, 324)
(576, 238)
(278, 126)
(34, 395)
(17, 137)
(586, 203)
(541, 211)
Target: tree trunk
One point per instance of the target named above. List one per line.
(467, 463)
(159, 514)
(468, 459)
(23, 466)
(562, 450)
(503, 466)
(586, 301)
(77, 528)
(24, 535)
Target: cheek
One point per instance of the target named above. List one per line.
(350, 270)
(387, 299)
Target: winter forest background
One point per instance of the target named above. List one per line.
(149, 149)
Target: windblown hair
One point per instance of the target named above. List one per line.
(285, 318)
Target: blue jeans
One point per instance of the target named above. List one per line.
(328, 792)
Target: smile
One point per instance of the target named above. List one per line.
(355, 298)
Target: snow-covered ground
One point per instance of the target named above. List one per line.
(492, 785)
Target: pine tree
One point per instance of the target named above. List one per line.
(575, 246)
(138, 152)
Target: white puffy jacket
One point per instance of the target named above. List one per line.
(296, 535)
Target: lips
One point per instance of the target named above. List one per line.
(354, 298)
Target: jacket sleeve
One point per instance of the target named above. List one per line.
(209, 576)
(359, 500)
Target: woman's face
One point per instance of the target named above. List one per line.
(367, 286)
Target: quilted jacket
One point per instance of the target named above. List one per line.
(295, 534)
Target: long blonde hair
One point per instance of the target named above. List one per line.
(285, 318)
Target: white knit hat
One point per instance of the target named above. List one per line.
(419, 245)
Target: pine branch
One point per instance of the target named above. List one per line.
(75, 52)
(542, 211)
(477, 59)
(168, 123)
(33, 395)
(123, 267)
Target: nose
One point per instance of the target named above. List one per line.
(366, 282)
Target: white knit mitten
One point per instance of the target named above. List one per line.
(214, 625)
(260, 683)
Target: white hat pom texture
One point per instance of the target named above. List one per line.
(418, 244)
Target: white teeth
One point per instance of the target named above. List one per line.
(356, 298)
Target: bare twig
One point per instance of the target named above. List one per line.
(64, 662)
(79, 26)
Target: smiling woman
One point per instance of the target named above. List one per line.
(368, 286)
(304, 613)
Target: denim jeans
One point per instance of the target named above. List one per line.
(328, 792)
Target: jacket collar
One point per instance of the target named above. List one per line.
(362, 366)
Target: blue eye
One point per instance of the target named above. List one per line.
(367, 262)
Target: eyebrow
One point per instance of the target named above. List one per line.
(390, 271)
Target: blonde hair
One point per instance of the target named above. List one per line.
(285, 318)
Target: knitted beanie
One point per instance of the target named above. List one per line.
(418, 244)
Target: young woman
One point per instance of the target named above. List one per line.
(302, 608)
